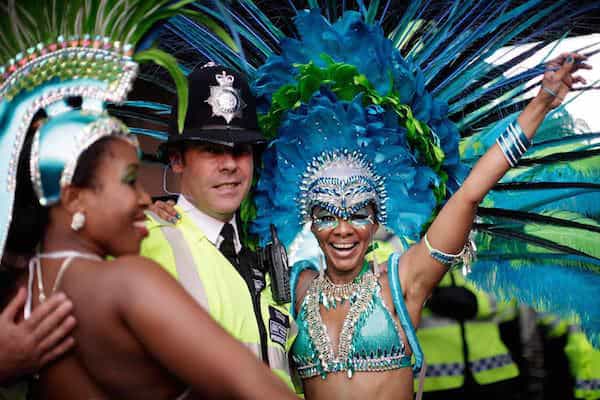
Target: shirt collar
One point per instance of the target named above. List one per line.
(210, 226)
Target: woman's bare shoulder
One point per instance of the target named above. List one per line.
(134, 261)
(133, 272)
(304, 280)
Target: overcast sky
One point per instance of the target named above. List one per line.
(586, 106)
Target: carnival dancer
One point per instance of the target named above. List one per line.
(70, 173)
(346, 160)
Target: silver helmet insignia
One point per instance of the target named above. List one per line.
(224, 99)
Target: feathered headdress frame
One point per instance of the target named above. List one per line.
(537, 227)
(53, 53)
(451, 46)
(342, 91)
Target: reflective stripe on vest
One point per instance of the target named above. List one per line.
(184, 263)
(457, 369)
(584, 363)
(441, 339)
(277, 356)
(587, 384)
(187, 274)
(449, 369)
(485, 364)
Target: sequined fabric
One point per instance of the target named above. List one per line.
(369, 341)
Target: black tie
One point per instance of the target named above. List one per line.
(226, 247)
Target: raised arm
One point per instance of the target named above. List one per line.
(188, 342)
(420, 272)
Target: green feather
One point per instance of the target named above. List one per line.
(169, 62)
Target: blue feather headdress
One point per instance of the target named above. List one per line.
(536, 231)
(342, 95)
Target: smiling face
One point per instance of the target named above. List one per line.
(114, 204)
(344, 242)
(214, 177)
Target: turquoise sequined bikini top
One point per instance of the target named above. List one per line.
(370, 339)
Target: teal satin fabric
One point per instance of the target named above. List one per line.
(376, 344)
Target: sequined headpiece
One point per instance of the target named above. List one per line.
(68, 77)
(342, 182)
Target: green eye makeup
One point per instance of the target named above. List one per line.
(131, 175)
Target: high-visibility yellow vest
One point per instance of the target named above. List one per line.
(489, 359)
(15, 391)
(584, 363)
(187, 254)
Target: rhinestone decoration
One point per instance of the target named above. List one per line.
(72, 59)
(332, 293)
(361, 295)
(103, 126)
(76, 59)
(342, 182)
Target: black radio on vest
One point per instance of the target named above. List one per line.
(273, 259)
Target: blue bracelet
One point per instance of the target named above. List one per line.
(465, 256)
(444, 258)
(513, 143)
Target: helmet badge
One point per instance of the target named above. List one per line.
(224, 99)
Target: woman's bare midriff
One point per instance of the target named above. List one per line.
(389, 385)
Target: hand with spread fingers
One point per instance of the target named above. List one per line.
(27, 345)
(559, 77)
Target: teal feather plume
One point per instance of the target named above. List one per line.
(537, 229)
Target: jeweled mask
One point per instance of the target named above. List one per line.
(342, 182)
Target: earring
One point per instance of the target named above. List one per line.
(321, 265)
(78, 221)
(374, 260)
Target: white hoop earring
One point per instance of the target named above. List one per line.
(374, 259)
(321, 265)
(78, 221)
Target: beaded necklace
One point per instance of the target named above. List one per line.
(332, 293)
(359, 293)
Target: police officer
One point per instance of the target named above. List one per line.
(214, 157)
(461, 339)
(571, 363)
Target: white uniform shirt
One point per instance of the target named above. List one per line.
(209, 225)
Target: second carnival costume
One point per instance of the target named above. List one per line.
(61, 65)
(365, 111)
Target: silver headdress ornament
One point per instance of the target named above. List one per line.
(224, 99)
(60, 141)
(342, 182)
(52, 55)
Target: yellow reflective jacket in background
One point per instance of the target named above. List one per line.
(441, 340)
